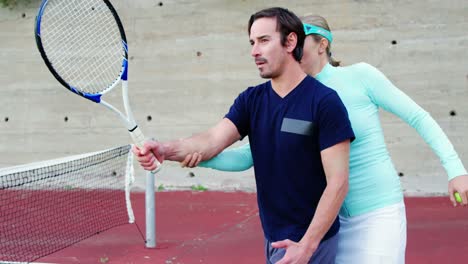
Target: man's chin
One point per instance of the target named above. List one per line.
(265, 75)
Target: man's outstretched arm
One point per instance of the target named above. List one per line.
(209, 143)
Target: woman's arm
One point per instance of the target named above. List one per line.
(233, 159)
(385, 95)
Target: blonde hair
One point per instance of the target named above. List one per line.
(319, 21)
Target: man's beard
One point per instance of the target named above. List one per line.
(266, 75)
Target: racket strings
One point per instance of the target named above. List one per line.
(83, 38)
(83, 43)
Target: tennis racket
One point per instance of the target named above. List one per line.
(84, 46)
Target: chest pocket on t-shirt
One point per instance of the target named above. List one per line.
(297, 126)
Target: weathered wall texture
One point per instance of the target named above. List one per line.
(189, 59)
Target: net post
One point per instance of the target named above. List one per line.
(150, 211)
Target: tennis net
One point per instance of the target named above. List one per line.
(50, 205)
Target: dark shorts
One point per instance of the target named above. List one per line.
(325, 253)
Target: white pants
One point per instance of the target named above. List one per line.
(377, 237)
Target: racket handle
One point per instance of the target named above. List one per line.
(139, 140)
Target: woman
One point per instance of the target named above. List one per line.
(373, 218)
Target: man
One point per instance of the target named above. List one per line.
(299, 134)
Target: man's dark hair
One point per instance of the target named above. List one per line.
(286, 22)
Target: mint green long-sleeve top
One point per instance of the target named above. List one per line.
(373, 180)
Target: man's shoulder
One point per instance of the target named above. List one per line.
(255, 91)
(251, 94)
(259, 88)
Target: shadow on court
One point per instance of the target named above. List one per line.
(218, 227)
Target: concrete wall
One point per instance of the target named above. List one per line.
(189, 59)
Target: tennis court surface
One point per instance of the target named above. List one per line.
(220, 227)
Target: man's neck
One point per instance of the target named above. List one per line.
(288, 80)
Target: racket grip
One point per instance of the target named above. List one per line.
(139, 139)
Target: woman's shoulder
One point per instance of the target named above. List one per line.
(362, 70)
(360, 66)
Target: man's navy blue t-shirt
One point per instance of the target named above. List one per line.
(286, 136)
